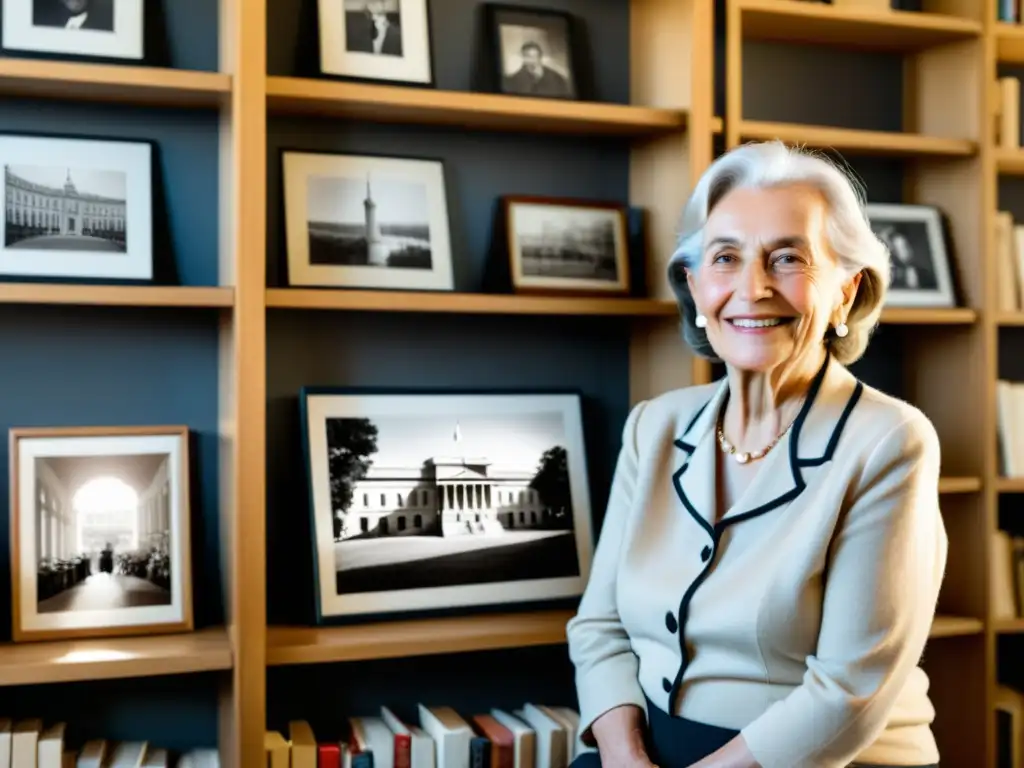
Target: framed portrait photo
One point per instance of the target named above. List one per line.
(425, 503)
(567, 246)
(100, 539)
(76, 208)
(376, 40)
(362, 221)
(918, 252)
(534, 52)
(105, 29)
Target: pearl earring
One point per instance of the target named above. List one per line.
(700, 321)
(842, 330)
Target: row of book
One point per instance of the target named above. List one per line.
(533, 736)
(1009, 247)
(1007, 576)
(29, 744)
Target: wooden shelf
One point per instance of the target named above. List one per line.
(488, 111)
(1009, 43)
(955, 626)
(463, 303)
(853, 141)
(63, 661)
(112, 83)
(1010, 161)
(793, 21)
(1010, 484)
(116, 295)
(928, 316)
(959, 484)
(1009, 626)
(319, 645)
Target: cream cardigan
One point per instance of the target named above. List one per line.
(800, 618)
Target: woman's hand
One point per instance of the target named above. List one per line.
(619, 734)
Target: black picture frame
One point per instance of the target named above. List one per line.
(161, 261)
(494, 14)
(408, 605)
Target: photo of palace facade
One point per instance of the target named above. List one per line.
(446, 497)
(35, 210)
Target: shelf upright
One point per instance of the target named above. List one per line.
(242, 405)
(671, 66)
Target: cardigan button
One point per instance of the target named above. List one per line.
(666, 684)
(670, 622)
(705, 553)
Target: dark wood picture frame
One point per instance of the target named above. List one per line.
(597, 284)
(493, 13)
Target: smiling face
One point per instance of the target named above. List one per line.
(767, 281)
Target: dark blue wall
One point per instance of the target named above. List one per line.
(365, 349)
(69, 366)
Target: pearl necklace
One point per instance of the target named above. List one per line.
(744, 457)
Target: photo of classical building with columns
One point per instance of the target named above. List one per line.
(416, 505)
(64, 209)
(102, 532)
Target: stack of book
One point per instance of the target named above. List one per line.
(534, 736)
(28, 744)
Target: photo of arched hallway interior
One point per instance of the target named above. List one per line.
(102, 532)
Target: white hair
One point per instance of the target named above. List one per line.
(857, 248)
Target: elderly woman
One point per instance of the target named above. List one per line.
(771, 557)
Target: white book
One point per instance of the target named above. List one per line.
(451, 735)
(421, 746)
(127, 754)
(156, 758)
(525, 752)
(24, 742)
(552, 749)
(200, 758)
(92, 754)
(303, 744)
(569, 719)
(50, 749)
(5, 742)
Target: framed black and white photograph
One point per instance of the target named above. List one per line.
(99, 531)
(376, 40)
(920, 259)
(567, 246)
(436, 502)
(107, 29)
(360, 221)
(76, 208)
(534, 53)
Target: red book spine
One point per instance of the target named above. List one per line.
(328, 756)
(403, 750)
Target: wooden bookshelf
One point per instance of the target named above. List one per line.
(855, 141)
(63, 661)
(483, 111)
(785, 21)
(115, 295)
(952, 485)
(362, 642)
(463, 303)
(1009, 42)
(112, 83)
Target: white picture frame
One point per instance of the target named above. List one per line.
(396, 49)
(922, 274)
(112, 29)
(365, 555)
(76, 551)
(76, 208)
(336, 204)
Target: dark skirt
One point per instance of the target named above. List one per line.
(675, 742)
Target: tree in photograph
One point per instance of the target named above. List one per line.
(552, 483)
(350, 445)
